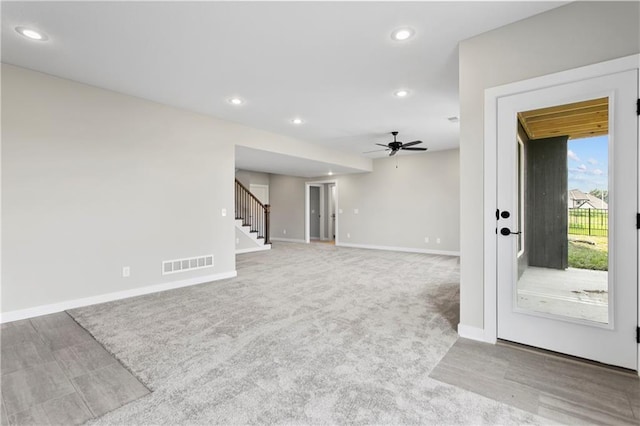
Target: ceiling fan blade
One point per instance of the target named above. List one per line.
(412, 143)
(386, 146)
(375, 150)
(393, 152)
(414, 149)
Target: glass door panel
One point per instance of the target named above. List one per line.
(563, 210)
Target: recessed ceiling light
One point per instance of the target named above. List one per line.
(236, 101)
(297, 121)
(31, 34)
(402, 34)
(401, 93)
(330, 173)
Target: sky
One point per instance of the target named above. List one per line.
(588, 161)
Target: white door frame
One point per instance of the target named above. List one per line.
(307, 209)
(331, 208)
(491, 97)
(320, 210)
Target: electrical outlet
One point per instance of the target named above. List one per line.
(426, 239)
(126, 271)
(356, 211)
(340, 211)
(438, 240)
(284, 231)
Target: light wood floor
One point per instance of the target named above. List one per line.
(54, 372)
(559, 388)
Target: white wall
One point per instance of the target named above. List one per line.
(247, 178)
(575, 35)
(397, 207)
(286, 195)
(93, 180)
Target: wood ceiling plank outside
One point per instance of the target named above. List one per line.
(576, 120)
(543, 127)
(576, 106)
(599, 109)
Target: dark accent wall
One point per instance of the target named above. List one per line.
(546, 202)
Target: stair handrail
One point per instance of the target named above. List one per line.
(252, 212)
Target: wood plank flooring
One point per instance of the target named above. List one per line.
(559, 388)
(54, 372)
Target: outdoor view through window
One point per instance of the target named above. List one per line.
(563, 254)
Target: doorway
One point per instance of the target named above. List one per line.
(332, 212)
(315, 211)
(323, 218)
(543, 298)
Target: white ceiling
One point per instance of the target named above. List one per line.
(333, 64)
(271, 162)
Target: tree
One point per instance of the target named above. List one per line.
(600, 194)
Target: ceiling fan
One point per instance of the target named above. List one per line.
(396, 146)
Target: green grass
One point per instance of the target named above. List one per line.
(583, 255)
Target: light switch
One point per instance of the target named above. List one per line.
(126, 271)
(356, 211)
(340, 211)
(224, 212)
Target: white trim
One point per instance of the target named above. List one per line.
(473, 333)
(638, 235)
(109, 297)
(288, 240)
(331, 210)
(491, 97)
(252, 249)
(401, 249)
(307, 238)
(320, 208)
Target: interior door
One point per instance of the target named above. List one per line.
(561, 200)
(314, 212)
(332, 212)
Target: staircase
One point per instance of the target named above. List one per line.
(252, 222)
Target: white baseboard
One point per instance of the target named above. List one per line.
(288, 240)
(77, 303)
(402, 249)
(252, 249)
(473, 333)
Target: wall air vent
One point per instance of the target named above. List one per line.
(188, 264)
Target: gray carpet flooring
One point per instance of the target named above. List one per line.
(306, 334)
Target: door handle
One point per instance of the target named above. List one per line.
(507, 231)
